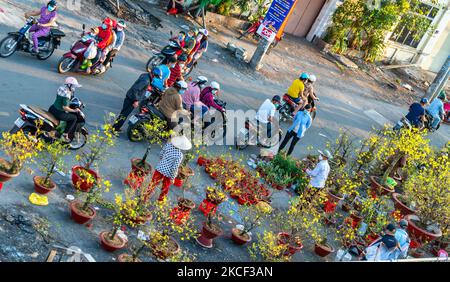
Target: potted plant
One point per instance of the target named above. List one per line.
(19, 148)
(97, 148)
(272, 247)
(403, 204)
(82, 210)
(185, 170)
(210, 230)
(48, 161)
(251, 217)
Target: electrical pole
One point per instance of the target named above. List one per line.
(259, 54)
(439, 81)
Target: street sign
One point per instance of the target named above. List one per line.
(277, 14)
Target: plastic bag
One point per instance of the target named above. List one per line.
(91, 52)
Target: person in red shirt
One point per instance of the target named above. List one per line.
(106, 37)
(176, 73)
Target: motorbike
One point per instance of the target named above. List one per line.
(252, 29)
(81, 54)
(243, 139)
(51, 127)
(161, 58)
(288, 105)
(21, 41)
(403, 123)
(148, 112)
(425, 124)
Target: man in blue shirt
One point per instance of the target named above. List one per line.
(417, 112)
(436, 109)
(403, 239)
(302, 121)
(161, 83)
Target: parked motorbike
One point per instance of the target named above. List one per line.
(51, 127)
(243, 139)
(161, 58)
(252, 29)
(81, 54)
(403, 123)
(426, 124)
(21, 41)
(288, 106)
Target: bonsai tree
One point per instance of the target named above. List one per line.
(341, 149)
(49, 161)
(85, 199)
(342, 182)
(269, 248)
(19, 147)
(185, 170)
(251, 217)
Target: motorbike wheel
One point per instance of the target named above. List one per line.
(65, 64)
(134, 132)
(8, 46)
(78, 141)
(154, 61)
(45, 55)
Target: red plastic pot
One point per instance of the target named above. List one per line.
(379, 189)
(42, 189)
(419, 233)
(238, 239)
(207, 236)
(201, 161)
(137, 169)
(126, 258)
(5, 177)
(108, 246)
(80, 183)
(283, 238)
(404, 209)
(79, 217)
(323, 251)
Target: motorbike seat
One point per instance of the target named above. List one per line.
(45, 114)
(56, 32)
(156, 112)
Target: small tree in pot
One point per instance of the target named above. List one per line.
(251, 217)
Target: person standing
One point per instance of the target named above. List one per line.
(302, 121)
(175, 7)
(48, 16)
(134, 95)
(266, 114)
(436, 109)
(171, 157)
(319, 174)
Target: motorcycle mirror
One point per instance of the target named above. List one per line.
(171, 33)
(84, 27)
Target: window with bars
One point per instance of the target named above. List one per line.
(404, 35)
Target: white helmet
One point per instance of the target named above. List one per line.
(203, 31)
(73, 81)
(182, 84)
(215, 85)
(202, 79)
(312, 78)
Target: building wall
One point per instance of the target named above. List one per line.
(304, 15)
(440, 50)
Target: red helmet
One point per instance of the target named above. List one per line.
(109, 22)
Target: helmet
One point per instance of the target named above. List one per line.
(157, 72)
(215, 85)
(202, 80)
(424, 101)
(109, 22)
(442, 95)
(203, 31)
(72, 81)
(182, 58)
(276, 98)
(403, 223)
(181, 84)
(304, 76)
(52, 3)
(121, 23)
(312, 78)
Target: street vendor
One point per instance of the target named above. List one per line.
(319, 174)
(171, 157)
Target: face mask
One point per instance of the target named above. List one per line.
(182, 65)
(320, 158)
(104, 26)
(215, 91)
(172, 66)
(51, 8)
(182, 91)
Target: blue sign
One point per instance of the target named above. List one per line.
(277, 13)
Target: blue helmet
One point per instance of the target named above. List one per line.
(304, 76)
(157, 72)
(424, 101)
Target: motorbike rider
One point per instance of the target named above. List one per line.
(202, 47)
(436, 109)
(191, 99)
(165, 70)
(106, 37)
(267, 113)
(181, 41)
(198, 40)
(48, 16)
(118, 41)
(308, 94)
(176, 73)
(416, 112)
(207, 96)
(61, 110)
(190, 40)
(171, 103)
(297, 88)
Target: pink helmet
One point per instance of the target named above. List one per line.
(73, 81)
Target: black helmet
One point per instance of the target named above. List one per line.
(276, 98)
(183, 58)
(52, 3)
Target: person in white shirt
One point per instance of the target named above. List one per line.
(319, 174)
(267, 114)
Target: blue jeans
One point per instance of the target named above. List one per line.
(436, 121)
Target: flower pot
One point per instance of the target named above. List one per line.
(139, 219)
(111, 245)
(417, 253)
(201, 161)
(284, 238)
(40, 188)
(239, 239)
(356, 218)
(140, 170)
(178, 182)
(127, 258)
(330, 221)
(186, 204)
(421, 234)
(81, 183)
(378, 188)
(334, 198)
(170, 249)
(323, 250)
(208, 234)
(4, 176)
(399, 205)
(80, 216)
